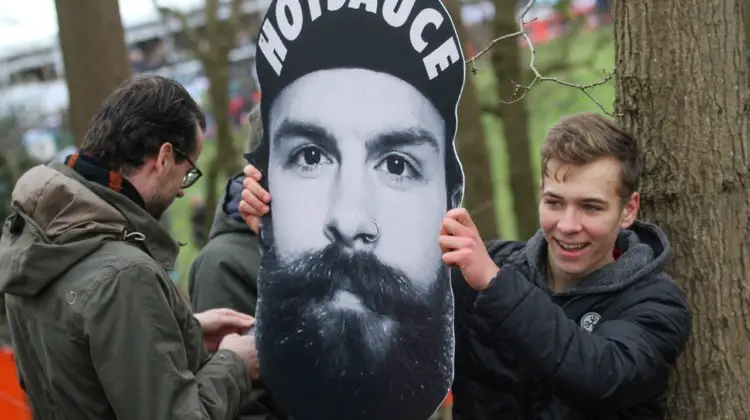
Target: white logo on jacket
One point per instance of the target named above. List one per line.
(589, 320)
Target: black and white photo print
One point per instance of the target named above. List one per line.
(355, 309)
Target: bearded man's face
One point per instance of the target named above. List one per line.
(355, 308)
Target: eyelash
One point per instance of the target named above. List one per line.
(587, 207)
(410, 165)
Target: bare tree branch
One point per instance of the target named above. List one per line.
(521, 90)
(191, 33)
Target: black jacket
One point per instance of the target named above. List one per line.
(224, 275)
(599, 351)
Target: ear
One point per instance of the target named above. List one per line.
(630, 210)
(165, 158)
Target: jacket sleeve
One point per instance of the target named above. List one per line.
(138, 352)
(217, 279)
(623, 362)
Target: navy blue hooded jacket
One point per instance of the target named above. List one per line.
(601, 350)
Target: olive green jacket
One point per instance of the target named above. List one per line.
(99, 329)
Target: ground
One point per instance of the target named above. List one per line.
(547, 102)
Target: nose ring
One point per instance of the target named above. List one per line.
(372, 238)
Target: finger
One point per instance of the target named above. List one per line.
(452, 243)
(443, 231)
(229, 330)
(462, 216)
(250, 220)
(458, 258)
(256, 189)
(233, 322)
(253, 172)
(256, 207)
(248, 213)
(254, 224)
(232, 312)
(455, 228)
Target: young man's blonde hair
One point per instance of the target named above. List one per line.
(584, 138)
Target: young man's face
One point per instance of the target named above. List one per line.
(581, 213)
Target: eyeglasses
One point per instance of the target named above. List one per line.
(193, 174)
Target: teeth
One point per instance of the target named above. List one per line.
(571, 247)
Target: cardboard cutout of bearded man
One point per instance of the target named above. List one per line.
(355, 308)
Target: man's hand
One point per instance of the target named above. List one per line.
(244, 346)
(461, 245)
(218, 323)
(255, 199)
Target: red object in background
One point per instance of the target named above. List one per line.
(235, 105)
(12, 398)
(448, 401)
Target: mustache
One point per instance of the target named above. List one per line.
(317, 276)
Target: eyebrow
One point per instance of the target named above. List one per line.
(383, 142)
(589, 200)
(312, 132)
(397, 139)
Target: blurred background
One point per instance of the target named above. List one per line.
(59, 60)
(497, 140)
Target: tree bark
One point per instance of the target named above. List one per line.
(682, 91)
(94, 54)
(746, 23)
(506, 64)
(472, 148)
(226, 162)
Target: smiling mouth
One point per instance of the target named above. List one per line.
(571, 247)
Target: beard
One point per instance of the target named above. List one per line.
(388, 354)
(158, 204)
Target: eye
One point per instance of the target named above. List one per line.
(308, 160)
(591, 208)
(311, 156)
(399, 168)
(553, 204)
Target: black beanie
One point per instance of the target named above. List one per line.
(365, 38)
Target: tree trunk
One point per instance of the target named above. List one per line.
(682, 91)
(746, 23)
(472, 148)
(94, 54)
(506, 64)
(226, 161)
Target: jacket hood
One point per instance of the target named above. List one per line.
(227, 217)
(644, 250)
(57, 218)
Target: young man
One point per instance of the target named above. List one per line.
(99, 329)
(581, 321)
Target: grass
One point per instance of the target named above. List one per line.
(546, 103)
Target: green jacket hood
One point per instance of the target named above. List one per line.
(57, 218)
